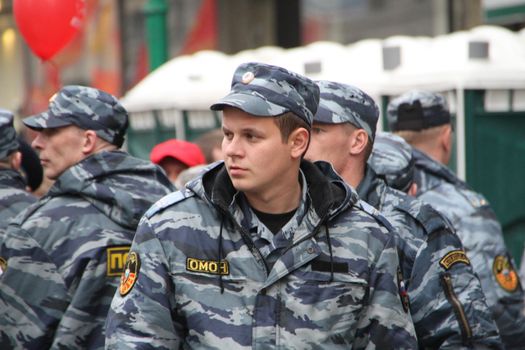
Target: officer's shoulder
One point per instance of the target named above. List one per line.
(477, 200)
(376, 214)
(169, 200)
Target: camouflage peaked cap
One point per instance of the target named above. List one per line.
(268, 91)
(417, 110)
(341, 103)
(8, 141)
(392, 158)
(86, 108)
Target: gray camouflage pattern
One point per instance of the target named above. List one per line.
(392, 159)
(427, 108)
(13, 196)
(480, 232)
(265, 90)
(8, 141)
(59, 281)
(86, 107)
(342, 103)
(438, 296)
(327, 280)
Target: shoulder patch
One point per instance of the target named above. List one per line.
(130, 275)
(454, 257)
(505, 274)
(116, 258)
(3, 266)
(168, 200)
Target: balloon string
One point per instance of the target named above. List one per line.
(53, 74)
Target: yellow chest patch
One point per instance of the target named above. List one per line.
(116, 260)
(208, 266)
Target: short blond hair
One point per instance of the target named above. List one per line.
(421, 137)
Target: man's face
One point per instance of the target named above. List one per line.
(331, 143)
(254, 153)
(60, 148)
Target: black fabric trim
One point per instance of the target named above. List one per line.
(326, 266)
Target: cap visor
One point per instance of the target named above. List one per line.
(252, 104)
(44, 121)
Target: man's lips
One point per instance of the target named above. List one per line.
(236, 170)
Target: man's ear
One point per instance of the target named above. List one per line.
(298, 141)
(90, 141)
(16, 160)
(412, 190)
(446, 143)
(358, 141)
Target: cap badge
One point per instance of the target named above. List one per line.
(247, 77)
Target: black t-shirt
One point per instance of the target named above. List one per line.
(274, 222)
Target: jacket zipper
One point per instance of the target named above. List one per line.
(466, 331)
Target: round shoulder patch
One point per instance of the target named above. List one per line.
(130, 274)
(505, 274)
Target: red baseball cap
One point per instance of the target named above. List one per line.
(184, 151)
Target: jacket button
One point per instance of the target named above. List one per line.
(310, 250)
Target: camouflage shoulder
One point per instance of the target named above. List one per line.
(477, 200)
(428, 217)
(376, 214)
(168, 200)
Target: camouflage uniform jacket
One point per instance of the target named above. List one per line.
(212, 276)
(446, 301)
(13, 196)
(66, 252)
(480, 232)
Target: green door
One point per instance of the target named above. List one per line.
(495, 156)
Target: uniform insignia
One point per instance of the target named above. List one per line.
(454, 257)
(247, 77)
(3, 266)
(505, 273)
(116, 259)
(212, 267)
(403, 294)
(130, 274)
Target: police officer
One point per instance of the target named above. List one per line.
(422, 118)
(445, 297)
(13, 195)
(264, 250)
(65, 254)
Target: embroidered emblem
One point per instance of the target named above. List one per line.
(403, 294)
(116, 260)
(454, 257)
(505, 273)
(208, 266)
(130, 274)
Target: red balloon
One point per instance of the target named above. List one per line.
(48, 25)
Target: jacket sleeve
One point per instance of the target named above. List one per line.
(385, 323)
(447, 304)
(142, 312)
(33, 296)
(483, 240)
